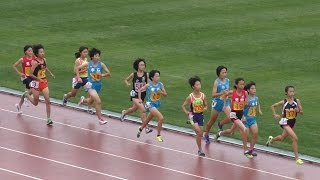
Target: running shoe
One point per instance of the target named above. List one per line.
(201, 153)
(122, 115)
(148, 130)
(18, 109)
(299, 162)
(102, 121)
(159, 138)
(207, 139)
(268, 143)
(81, 101)
(49, 121)
(139, 132)
(64, 100)
(248, 155)
(253, 153)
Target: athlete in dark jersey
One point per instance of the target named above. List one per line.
(290, 108)
(139, 79)
(40, 83)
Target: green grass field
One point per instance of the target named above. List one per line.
(274, 43)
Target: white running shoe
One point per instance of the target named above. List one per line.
(18, 108)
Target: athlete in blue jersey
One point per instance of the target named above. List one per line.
(155, 89)
(96, 70)
(251, 116)
(219, 94)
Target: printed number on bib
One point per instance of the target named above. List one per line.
(88, 86)
(147, 105)
(252, 111)
(34, 84)
(290, 113)
(155, 96)
(74, 82)
(133, 93)
(283, 121)
(197, 109)
(238, 106)
(214, 103)
(233, 115)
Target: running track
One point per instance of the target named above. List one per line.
(77, 147)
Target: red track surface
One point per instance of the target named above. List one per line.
(77, 147)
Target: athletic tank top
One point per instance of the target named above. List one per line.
(40, 70)
(250, 110)
(139, 82)
(222, 86)
(289, 110)
(85, 73)
(197, 104)
(26, 65)
(238, 101)
(153, 92)
(94, 72)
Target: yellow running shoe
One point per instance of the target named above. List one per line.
(299, 162)
(159, 138)
(248, 154)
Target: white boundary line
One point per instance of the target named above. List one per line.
(97, 151)
(172, 128)
(59, 162)
(212, 159)
(24, 175)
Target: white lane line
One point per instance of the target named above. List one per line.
(17, 173)
(101, 152)
(174, 150)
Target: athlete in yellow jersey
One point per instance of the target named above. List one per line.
(81, 58)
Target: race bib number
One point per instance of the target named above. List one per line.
(42, 73)
(214, 103)
(147, 105)
(133, 93)
(155, 96)
(252, 111)
(237, 106)
(283, 121)
(74, 82)
(198, 109)
(233, 115)
(27, 70)
(96, 77)
(138, 86)
(34, 84)
(291, 113)
(88, 86)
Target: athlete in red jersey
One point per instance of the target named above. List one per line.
(239, 98)
(25, 62)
